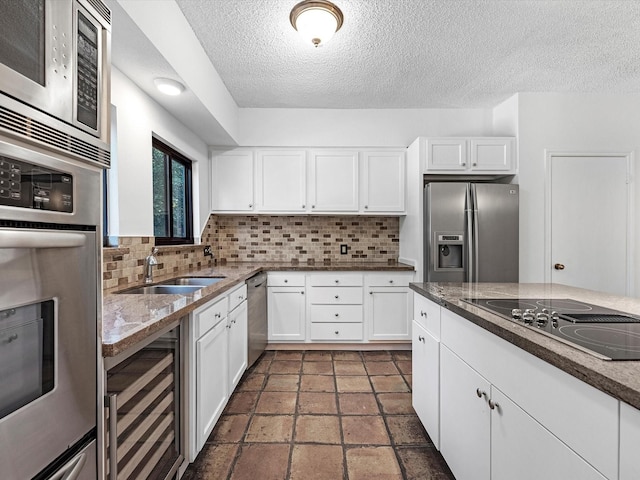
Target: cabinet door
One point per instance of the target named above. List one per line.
(446, 154)
(238, 344)
(383, 181)
(491, 154)
(334, 181)
(522, 448)
(389, 313)
(286, 313)
(232, 181)
(281, 179)
(211, 380)
(464, 418)
(426, 381)
(629, 441)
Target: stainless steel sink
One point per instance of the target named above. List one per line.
(200, 281)
(163, 289)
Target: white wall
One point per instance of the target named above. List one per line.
(138, 118)
(569, 123)
(262, 127)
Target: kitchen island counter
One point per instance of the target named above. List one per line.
(620, 379)
(128, 319)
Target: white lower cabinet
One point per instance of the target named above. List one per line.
(522, 448)
(237, 343)
(286, 312)
(464, 418)
(211, 381)
(629, 442)
(388, 305)
(426, 380)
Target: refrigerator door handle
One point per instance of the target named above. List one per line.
(469, 235)
(473, 242)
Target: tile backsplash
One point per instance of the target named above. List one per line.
(261, 238)
(303, 239)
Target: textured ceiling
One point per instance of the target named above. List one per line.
(421, 53)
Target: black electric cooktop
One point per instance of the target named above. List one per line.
(603, 332)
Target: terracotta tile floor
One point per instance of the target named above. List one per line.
(321, 415)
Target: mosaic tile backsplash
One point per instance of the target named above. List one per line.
(261, 238)
(303, 239)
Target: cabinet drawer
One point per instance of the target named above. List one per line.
(210, 316)
(335, 280)
(286, 279)
(237, 296)
(336, 331)
(336, 295)
(335, 313)
(391, 279)
(427, 314)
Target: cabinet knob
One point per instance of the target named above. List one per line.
(370, 293)
(337, 332)
(366, 207)
(302, 293)
(337, 281)
(494, 405)
(463, 164)
(558, 266)
(337, 315)
(217, 315)
(480, 393)
(423, 313)
(303, 206)
(313, 206)
(240, 297)
(390, 281)
(251, 205)
(286, 281)
(337, 297)
(421, 338)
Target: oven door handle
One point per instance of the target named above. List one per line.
(40, 239)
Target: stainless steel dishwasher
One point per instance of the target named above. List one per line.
(257, 305)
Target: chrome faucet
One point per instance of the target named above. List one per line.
(150, 262)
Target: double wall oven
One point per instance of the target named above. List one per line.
(54, 142)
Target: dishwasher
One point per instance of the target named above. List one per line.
(257, 307)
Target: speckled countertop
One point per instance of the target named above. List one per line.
(620, 379)
(129, 319)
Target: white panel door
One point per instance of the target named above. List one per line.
(523, 449)
(590, 223)
(286, 313)
(232, 181)
(465, 422)
(425, 369)
(490, 154)
(281, 181)
(334, 181)
(211, 380)
(446, 154)
(389, 311)
(383, 181)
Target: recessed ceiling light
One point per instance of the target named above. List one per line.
(316, 20)
(168, 86)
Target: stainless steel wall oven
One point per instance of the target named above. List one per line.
(49, 315)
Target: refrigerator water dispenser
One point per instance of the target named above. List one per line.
(449, 252)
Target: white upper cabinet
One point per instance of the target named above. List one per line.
(333, 181)
(232, 181)
(478, 155)
(281, 181)
(382, 182)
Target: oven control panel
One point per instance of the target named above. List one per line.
(27, 185)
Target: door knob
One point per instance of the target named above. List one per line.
(558, 266)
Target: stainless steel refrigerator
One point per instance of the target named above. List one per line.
(471, 232)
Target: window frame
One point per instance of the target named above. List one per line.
(172, 155)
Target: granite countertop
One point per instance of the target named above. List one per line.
(128, 319)
(620, 379)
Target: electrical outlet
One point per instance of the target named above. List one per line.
(343, 249)
(207, 251)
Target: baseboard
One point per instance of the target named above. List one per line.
(404, 345)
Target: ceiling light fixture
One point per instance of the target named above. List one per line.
(316, 20)
(168, 86)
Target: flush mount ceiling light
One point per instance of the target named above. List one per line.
(168, 86)
(316, 20)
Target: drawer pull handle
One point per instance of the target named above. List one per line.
(423, 313)
(337, 281)
(240, 297)
(390, 281)
(494, 405)
(370, 293)
(337, 314)
(286, 281)
(217, 315)
(421, 338)
(480, 393)
(337, 332)
(337, 296)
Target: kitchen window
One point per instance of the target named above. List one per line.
(172, 203)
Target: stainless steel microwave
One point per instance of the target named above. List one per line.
(54, 74)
